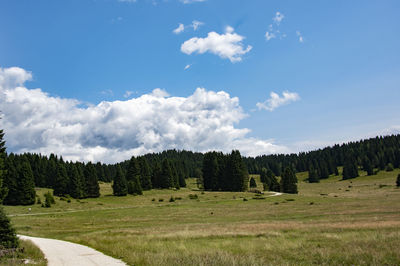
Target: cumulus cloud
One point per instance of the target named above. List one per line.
(112, 131)
(276, 101)
(179, 29)
(228, 45)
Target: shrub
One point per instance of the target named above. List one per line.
(389, 167)
(193, 196)
(171, 199)
(160, 200)
(398, 181)
(253, 182)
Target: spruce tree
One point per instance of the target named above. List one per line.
(312, 175)
(145, 174)
(289, 181)
(61, 180)
(8, 238)
(26, 184)
(253, 183)
(156, 176)
(75, 188)
(119, 186)
(92, 183)
(272, 181)
(166, 178)
(350, 169)
(133, 177)
(210, 171)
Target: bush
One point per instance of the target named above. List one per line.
(171, 199)
(398, 181)
(160, 200)
(193, 196)
(389, 167)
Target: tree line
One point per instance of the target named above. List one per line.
(371, 155)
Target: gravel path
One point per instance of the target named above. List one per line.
(63, 253)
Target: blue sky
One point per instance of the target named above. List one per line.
(338, 62)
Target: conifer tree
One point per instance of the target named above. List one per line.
(120, 186)
(61, 180)
(133, 177)
(350, 169)
(145, 174)
(92, 183)
(312, 175)
(210, 171)
(253, 183)
(26, 184)
(272, 182)
(289, 181)
(75, 188)
(166, 178)
(8, 237)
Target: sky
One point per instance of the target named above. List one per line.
(102, 80)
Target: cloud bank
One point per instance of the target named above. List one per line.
(276, 101)
(228, 45)
(114, 131)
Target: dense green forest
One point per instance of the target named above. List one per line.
(169, 169)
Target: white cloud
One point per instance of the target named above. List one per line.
(196, 24)
(278, 18)
(179, 29)
(301, 39)
(191, 1)
(276, 101)
(269, 35)
(228, 45)
(127, 1)
(113, 131)
(187, 66)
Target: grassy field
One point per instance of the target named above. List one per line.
(31, 255)
(333, 222)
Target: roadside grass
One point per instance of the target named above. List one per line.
(31, 255)
(333, 222)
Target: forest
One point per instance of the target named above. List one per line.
(169, 169)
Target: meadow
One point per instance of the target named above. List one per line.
(333, 222)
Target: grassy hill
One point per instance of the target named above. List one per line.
(333, 222)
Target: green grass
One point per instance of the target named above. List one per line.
(333, 222)
(31, 255)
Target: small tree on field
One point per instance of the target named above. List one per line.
(389, 167)
(289, 181)
(8, 238)
(119, 186)
(312, 175)
(253, 182)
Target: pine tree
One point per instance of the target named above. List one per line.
(145, 174)
(156, 176)
(350, 169)
(272, 181)
(312, 175)
(8, 238)
(120, 186)
(289, 181)
(166, 175)
(367, 166)
(133, 177)
(75, 188)
(26, 184)
(92, 184)
(253, 183)
(61, 180)
(210, 171)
